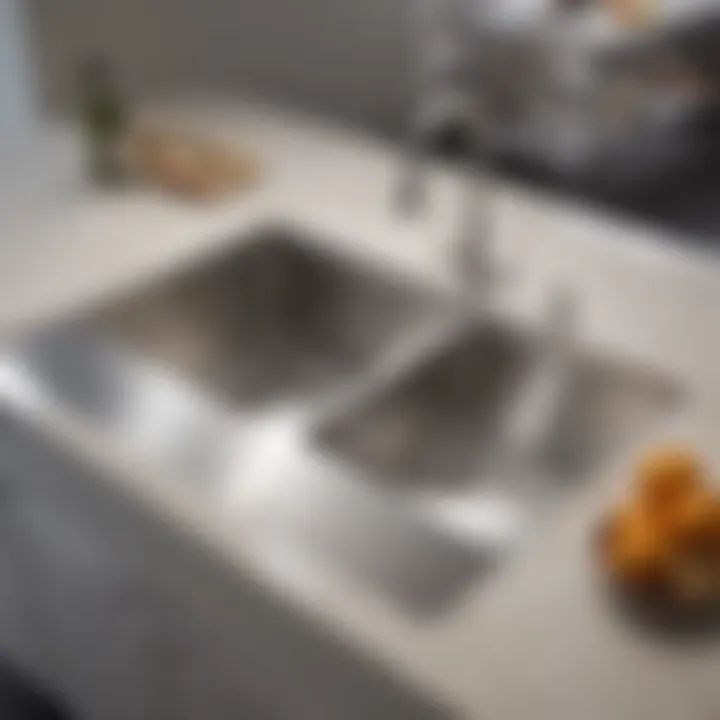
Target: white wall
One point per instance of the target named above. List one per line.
(344, 58)
(16, 98)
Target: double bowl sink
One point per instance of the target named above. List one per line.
(352, 417)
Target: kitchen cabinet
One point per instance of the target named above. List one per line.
(76, 608)
(126, 618)
(100, 611)
(20, 632)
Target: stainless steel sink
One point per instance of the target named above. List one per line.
(413, 478)
(441, 442)
(445, 423)
(272, 321)
(178, 368)
(439, 423)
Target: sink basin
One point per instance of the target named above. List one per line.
(271, 321)
(177, 368)
(439, 441)
(439, 423)
(443, 425)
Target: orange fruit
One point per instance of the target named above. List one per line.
(693, 523)
(635, 550)
(666, 476)
(692, 538)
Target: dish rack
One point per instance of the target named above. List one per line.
(560, 82)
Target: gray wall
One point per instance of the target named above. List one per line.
(16, 91)
(344, 58)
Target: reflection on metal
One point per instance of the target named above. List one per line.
(279, 382)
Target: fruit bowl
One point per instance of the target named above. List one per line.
(658, 605)
(660, 549)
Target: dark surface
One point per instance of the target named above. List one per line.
(666, 174)
(669, 177)
(20, 699)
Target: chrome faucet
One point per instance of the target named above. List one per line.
(448, 98)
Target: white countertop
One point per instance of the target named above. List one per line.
(536, 642)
